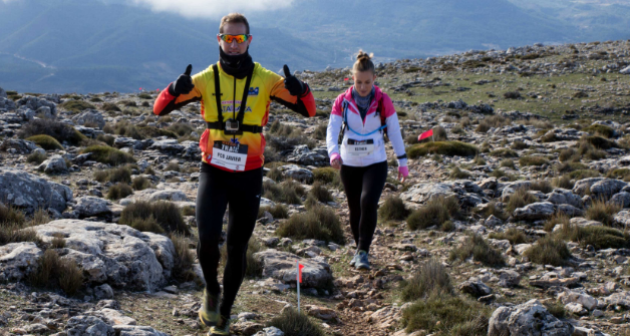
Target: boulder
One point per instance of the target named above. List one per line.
(109, 253)
(168, 146)
(583, 185)
(297, 173)
(622, 198)
(35, 103)
(304, 156)
(83, 325)
(88, 206)
(131, 330)
(281, 266)
(622, 218)
(56, 164)
(92, 118)
(569, 210)
(17, 146)
(17, 260)
(606, 188)
(475, 288)
(271, 331)
(191, 150)
(583, 299)
(530, 318)
(535, 211)
(621, 299)
(509, 278)
(625, 71)
(422, 192)
(565, 196)
(30, 192)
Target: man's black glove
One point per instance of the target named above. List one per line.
(183, 84)
(291, 83)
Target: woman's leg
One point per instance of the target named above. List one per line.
(373, 183)
(244, 199)
(352, 179)
(211, 204)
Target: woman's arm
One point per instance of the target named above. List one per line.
(334, 127)
(393, 131)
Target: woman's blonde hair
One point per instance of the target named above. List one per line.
(363, 63)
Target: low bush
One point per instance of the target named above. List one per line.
(110, 107)
(600, 237)
(254, 266)
(36, 158)
(141, 183)
(277, 211)
(562, 182)
(602, 211)
(183, 260)
(54, 272)
(447, 315)
(118, 191)
(56, 129)
(457, 173)
(543, 186)
(512, 95)
(507, 163)
(619, 174)
(165, 213)
(518, 145)
(480, 251)
(76, 106)
(45, 141)
(514, 235)
(293, 323)
(520, 198)
(327, 175)
(504, 153)
(434, 213)
(599, 142)
(275, 174)
(449, 148)
(286, 192)
(114, 175)
(430, 279)
(549, 251)
(533, 161)
(393, 209)
(320, 193)
(319, 222)
(603, 130)
(557, 219)
(108, 155)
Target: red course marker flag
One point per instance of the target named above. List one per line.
(425, 135)
(346, 79)
(301, 267)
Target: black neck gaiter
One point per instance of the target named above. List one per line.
(238, 66)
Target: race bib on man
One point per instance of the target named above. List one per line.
(230, 156)
(360, 147)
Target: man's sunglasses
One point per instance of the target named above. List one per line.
(238, 38)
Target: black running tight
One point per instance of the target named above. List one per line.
(363, 186)
(217, 189)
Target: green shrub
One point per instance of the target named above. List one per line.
(165, 213)
(549, 251)
(56, 129)
(118, 191)
(447, 315)
(533, 161)
(52, 272)
(149, 224)
(582, 174)
(479, 161)
(514, 235)
(449, 148)
(327, 175)
(512, 95)
(180, 129)
(45, 141)
(58, 242)
(141, 183)
(254, 266)
(519, 144)
(109, 155)
(293, 323)
(145, 95)
(430, 279)
(557, 219)
(36, 158)
(172, 166)
(183, 260)
(76, 106)
(599, 142)
(589, 152)
(602, 211)
(434, 213)
(520, 198)
(619, 174)
(106, 138)
(600, 237)
(439, 134)
(286, 192)
(507, 163)
(275, 174)
(120, 174)
(319, 222)
(480, 251)
(603, 130)
(320, 132)
(393, 209)
(320, 193)
(504, 153)
(492, 209)
(568, 154)
(543, 186)
(277, 211)
(556, 309)
(562, 182)
(457, 173)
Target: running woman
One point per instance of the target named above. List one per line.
(366, 113)
(235, 95)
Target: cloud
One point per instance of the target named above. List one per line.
(211, 8)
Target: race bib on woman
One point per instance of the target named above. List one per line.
(228, 155)
(360, 147)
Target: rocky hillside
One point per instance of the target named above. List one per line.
(513, 220)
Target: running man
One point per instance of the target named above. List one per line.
(366, 113)
(235, 95)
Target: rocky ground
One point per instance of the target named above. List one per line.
(513, 222)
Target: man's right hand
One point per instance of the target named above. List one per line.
(183, 84)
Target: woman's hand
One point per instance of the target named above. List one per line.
(403, 172)
(335, 161)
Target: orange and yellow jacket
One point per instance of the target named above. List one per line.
(265, 86)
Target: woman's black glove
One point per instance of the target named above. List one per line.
(291, 83)
(183, 84)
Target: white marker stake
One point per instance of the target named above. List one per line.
(297, 276)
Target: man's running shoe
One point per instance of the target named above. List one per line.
(209, 311)
(222, 328)
(362, 261)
